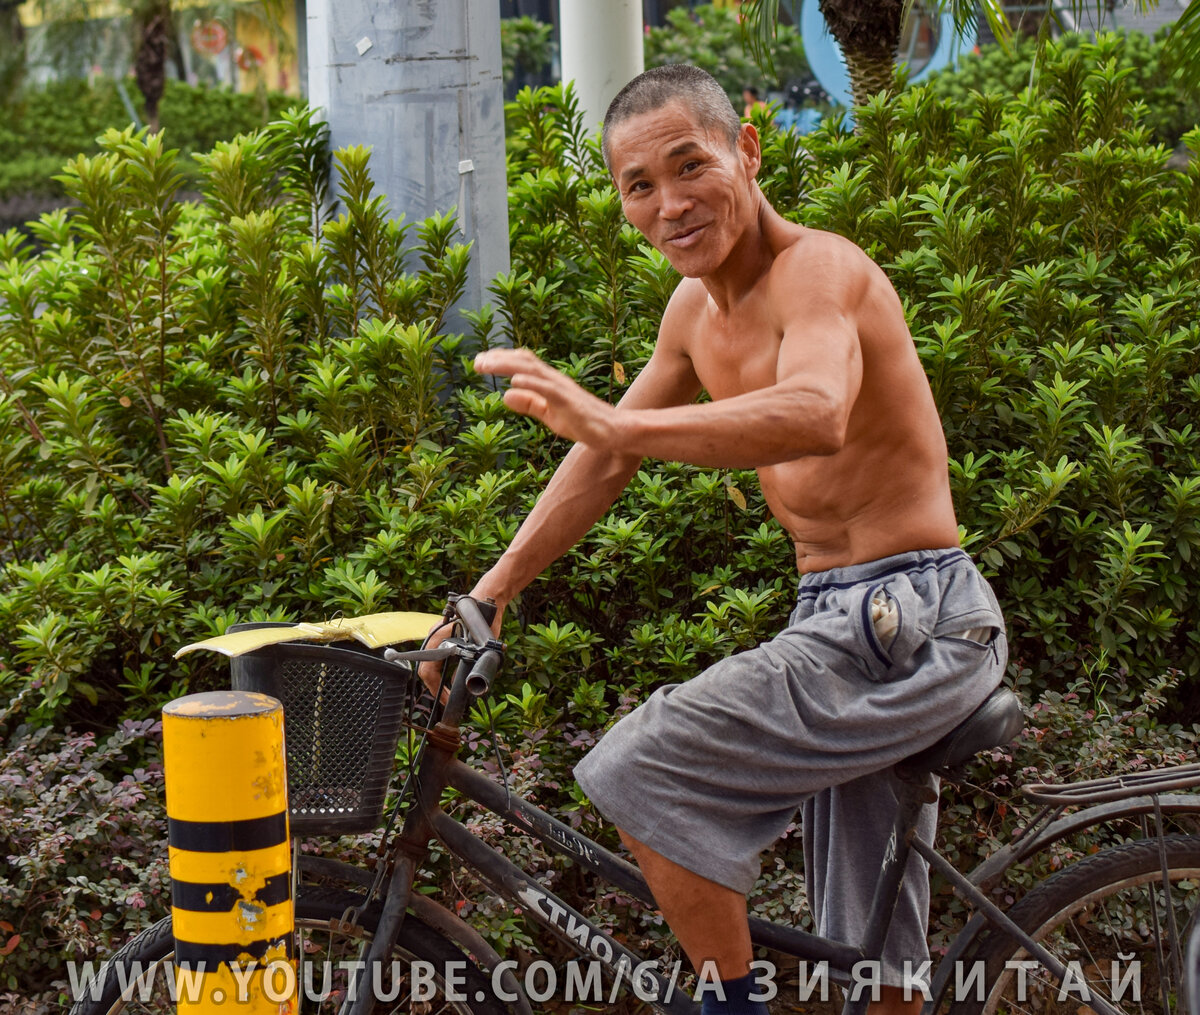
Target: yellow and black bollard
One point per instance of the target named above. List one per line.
(227, 816)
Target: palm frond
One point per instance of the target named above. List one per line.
(759, 18)
(997, 21)
(965, 14)
(1183, 44)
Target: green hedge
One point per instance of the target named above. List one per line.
(711, 38)
(220, 413)
(1047, 261)
(1172, 103)
(49, 125)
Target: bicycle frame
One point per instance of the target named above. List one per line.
(625, 966)
(438, 768)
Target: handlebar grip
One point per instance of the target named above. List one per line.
(478, 625)
(480, 677)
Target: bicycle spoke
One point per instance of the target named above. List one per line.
(1098, 917)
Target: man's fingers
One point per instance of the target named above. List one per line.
(431, 672)
(526, 402)
(524, 370)
(507, 362)
(433, 682)
(546, 394)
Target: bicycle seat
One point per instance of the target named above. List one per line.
(997, 721)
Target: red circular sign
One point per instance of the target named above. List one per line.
(209, 37)
(249, 57)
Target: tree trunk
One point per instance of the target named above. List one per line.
(12, 50)
(152, 32)
(869, 33)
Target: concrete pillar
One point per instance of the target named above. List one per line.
(601, 50)
(420, 82)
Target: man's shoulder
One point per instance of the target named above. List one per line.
(689, 298)
(688, 292)
(809, 250)
(819, 270)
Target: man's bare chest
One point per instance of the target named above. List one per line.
(733, 360)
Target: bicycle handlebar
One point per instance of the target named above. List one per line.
(472, 615)
(480, 677)
(476, 617)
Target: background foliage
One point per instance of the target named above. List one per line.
(247, 409)
(526, 49)
(82, 827)
(44, 127)
(711, 38)
(706, 36)
(1171, 100)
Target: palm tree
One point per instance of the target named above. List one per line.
(153, 36)
(871, 31)
(153, 40)
(868, 32)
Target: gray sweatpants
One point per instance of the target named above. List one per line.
(710, 772)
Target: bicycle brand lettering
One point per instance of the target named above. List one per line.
(571, 843)
(586, 937)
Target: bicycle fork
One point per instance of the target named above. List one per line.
(361, 1000)
(407, 852)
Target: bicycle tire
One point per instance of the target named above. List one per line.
(1106, 908)
(321, 948)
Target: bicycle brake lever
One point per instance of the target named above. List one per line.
(425, 655)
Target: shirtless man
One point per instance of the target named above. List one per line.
(801, 342)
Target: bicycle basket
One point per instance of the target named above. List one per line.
(342, 713)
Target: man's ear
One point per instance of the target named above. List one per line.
(750, 148)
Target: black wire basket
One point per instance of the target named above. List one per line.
(343, 709)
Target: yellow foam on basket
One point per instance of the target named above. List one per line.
(374, 630)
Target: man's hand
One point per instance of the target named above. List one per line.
(431, 673)
(546, 394)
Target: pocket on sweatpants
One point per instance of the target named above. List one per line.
(979, 653)
(891, 622)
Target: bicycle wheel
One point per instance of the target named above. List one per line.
(140, 980)
(1105, 917)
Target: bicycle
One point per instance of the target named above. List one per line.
(381, 943)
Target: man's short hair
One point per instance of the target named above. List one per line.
(653, 89)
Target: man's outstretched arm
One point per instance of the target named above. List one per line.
(812, 303)
(583, 487)
(805, 412)
(586, 483)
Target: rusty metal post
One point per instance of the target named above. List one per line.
(227, 815)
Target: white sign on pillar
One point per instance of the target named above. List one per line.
(420, 82)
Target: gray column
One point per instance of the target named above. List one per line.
(420, 82)
(601, 50)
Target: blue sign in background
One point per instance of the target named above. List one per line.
(829, 66)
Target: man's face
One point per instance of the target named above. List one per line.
(683, 187)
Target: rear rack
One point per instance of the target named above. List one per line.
(1115, 787)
